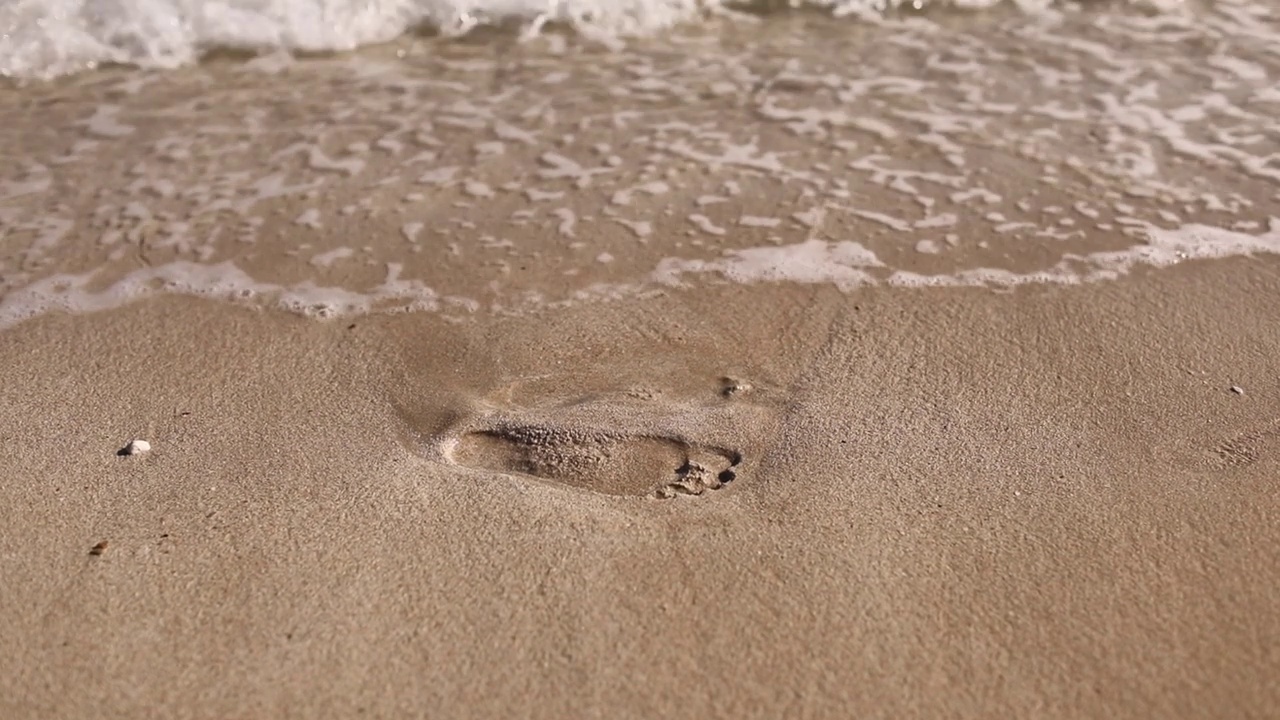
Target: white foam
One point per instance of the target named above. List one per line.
(845, 264)
(813, 261)
(46, 38)
(849, 265)
(220, 281)
(326, 259)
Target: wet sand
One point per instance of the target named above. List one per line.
(1043, 503)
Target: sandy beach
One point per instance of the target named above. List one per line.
(1046, 503)
(715, 376)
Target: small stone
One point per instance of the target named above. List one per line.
(135, 447)
(1237, 389)
(730, 387)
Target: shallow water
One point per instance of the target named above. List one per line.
(998, 148)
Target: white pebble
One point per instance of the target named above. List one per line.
(136, 447)
(1237, 389)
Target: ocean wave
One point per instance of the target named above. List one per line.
(48, 38)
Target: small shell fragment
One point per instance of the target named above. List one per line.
(135, 447)
(1237, 389)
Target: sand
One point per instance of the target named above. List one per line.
(1045, 503)
(638, 429)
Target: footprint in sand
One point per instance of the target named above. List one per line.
(607, 462)
(631, 443)
(1244, 448)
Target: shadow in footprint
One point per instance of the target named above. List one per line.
(613, 463)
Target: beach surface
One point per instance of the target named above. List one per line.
(711, 376)
(1047, 503)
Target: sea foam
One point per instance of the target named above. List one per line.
(846, 265)
(48, 38)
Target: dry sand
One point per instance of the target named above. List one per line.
(1044, 503)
